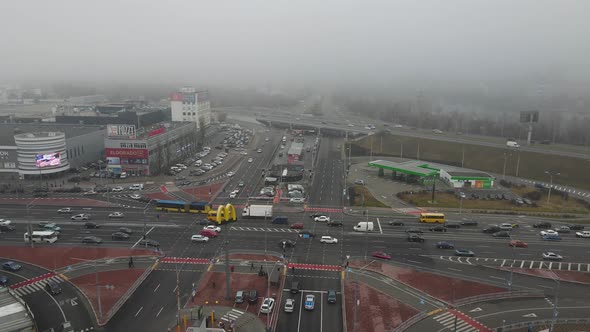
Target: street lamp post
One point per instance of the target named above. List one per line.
(144, 222)
(98, 286)
(269, 274)
(550, 183)
(30, 226)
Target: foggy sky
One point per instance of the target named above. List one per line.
(301, 41)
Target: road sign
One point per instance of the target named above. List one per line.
(476, 310)
(531, 315)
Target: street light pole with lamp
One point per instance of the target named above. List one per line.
(550, 182)
(269, 274)
(144, 221)
(98, 286)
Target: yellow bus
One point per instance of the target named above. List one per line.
(438, 218)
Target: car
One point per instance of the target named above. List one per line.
(259, 150)
(491, 229)
(120, 236)
(208, 233)
(464, 253)
(4, 280)
(328, 239)
(445, 245)
(91, 225)
(53, 287)
(5, 222)
(241, 184)
(551, 256)
(199, 238)
(203, 222)
(359, 182)
(267, 305)
(321, 218)
(381, 255)
(306, 233)
(583, 234)
(230, 174)
(296, 200)
(135, 196)
(544, 224)
(415, 238)
(506, 226)
(233, 194)
(309, 302)
(562, 229)
(65, 210)
(518, 244)
(296, 226)
(462, 195)
(331, 296)
(315, 215)
(148, 243)
(413, 231)
(51, 227)
(126, 230)
(7, 228)
(90, 193)
(117, 189)
(501, 234)
(213, 228)
(11, 266)
(91, 240)
(469, 223)
(551, 237)
(81, 216)
(250, 160)
(576, 227)
(252, 296)
(548, 232)
(396, 223)
(116, 215)
(438, 229)
(289, 305)
(286, 243)
(452, 225)
(334, 223)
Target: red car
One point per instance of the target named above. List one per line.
(208, 233)
(518, 244)
(380, 254)
(297, 226)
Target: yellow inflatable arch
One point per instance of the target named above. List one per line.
(223, 214)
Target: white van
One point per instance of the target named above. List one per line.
(364, 226)
(136, 186)
(512, 144)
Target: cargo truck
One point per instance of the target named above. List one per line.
(257, 211)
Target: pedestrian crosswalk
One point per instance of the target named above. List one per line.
(322, 209)
(412, 210)
(520, 263)
(232, 315)
(263, 229)
(26, 288)
(459, 322)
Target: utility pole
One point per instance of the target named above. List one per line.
(462, 155)
(550, 183)
(227, 270)
(517, 164)
(504, 169)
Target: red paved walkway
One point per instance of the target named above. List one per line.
(185, 260)
(377, 312)
(314, 267)
(442, 287)
(254, 257)
(121, 279)
(202, 192)
(470, 321)
(57, 257)
(32, 280)
(162, 196)
(59, 201)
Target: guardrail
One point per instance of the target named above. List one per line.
(497, 296)
(585, 321)
(125, 296)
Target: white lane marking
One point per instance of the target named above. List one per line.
(414, 261)
(494, 277)
(138, 311)
(158, 314)
(155, 289)
(452, 269)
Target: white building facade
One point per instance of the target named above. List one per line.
(190, 105)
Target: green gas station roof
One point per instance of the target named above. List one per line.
(412, 167)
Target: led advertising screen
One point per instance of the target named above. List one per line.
(48, 160)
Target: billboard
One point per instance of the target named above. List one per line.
(529, 116)
(48, 160)
(127, 153)
(113, 161)
(121, 130)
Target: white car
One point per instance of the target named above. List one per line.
(213, 228)
(584, 234)
(328, 239)
(267, 305)
(90, 193)
(551, 256)
(350, 125)
(259, 150)
(5, 222)
(506, 227)
(81, 216)
(233, 194)
(135, 196)
(117, 189)
(230, 174)
(289, 305)
(250, 160)
(244, 153)
(322, 218)
(116, 215)
(297, 200)
(549, 232)
(65, 210)
(199, 238)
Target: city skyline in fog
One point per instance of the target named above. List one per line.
(328, 42)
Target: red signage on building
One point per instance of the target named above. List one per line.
(127, 153)
(157, 132)
(176, 96)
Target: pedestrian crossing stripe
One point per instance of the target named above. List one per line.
(519, 263)
(321, 209)
(232, 315)
(36, 286)
(263, 229)
(457, 321)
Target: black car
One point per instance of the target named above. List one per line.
(148, 243)
(501, 234)
(469, 223)
(334, 223)
(92, 240)
(576, 227)
(395, 223)
(543, 224)
(126, 230)
(203, 222)
(7, 228)
(452, 225)
(491, 229)
(286, 243)
(252, 296)
(52, 287)
(91, 225)
(438, 229)
(120, 236)
(414, 231)
(415, 238)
